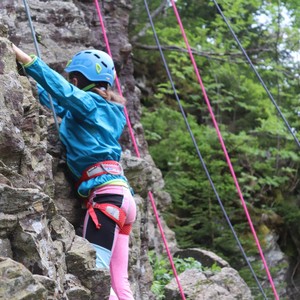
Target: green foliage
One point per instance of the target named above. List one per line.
(194, 205)
(260, 272)
(263, 153)
(163, 272)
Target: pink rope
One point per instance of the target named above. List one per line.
(166, 245)
(117, 80)
(138, 155)
(225, 151)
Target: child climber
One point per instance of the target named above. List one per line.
(92, 122)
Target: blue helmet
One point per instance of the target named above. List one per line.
(95, 65)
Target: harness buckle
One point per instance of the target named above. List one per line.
(112, 167)
(94, 170)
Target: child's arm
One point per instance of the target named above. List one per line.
(22, 57)
(45, 101)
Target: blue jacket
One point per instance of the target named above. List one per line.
(91, 126)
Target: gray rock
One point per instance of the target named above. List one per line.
(205, 257)
(223, 285)
(16, 282)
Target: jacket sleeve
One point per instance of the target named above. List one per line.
(45, 99)
(68, 96)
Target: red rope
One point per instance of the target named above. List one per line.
(138, 155)
(224, 149)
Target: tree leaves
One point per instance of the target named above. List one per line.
(262, 150)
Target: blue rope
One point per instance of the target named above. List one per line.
(39, 55)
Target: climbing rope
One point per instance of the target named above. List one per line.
(257, 74)
(224, 149)
(198, 151)
(117, 80)
(150, 195)
(27, 10)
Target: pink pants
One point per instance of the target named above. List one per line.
(112, 248)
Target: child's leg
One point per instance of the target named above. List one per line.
(103, 239)
(112, 247)
(119, 268)
(113, 295)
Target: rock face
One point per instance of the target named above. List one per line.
(42, 255)
(225, 284)
(18, 282)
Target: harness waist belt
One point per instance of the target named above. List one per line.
(104, 167)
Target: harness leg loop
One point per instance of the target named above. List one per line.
(110, 210)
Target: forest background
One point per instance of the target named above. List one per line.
(263, 152)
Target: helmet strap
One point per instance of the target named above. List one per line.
(88, 87)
